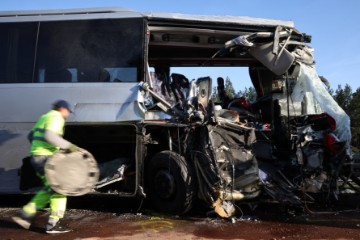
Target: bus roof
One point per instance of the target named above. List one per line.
(112, 13)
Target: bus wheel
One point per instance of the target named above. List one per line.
(170, 183)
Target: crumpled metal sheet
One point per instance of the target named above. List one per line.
(309, 82)
(278, 63)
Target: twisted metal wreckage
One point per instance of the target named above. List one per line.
(163, 137)
(290, 144)
(287, 144)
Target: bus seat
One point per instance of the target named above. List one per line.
(57, 76)
(104, 76)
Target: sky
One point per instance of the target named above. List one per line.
(333, 24)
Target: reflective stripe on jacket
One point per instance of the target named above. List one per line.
(52, 121)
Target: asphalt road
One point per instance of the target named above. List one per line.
(114, 218)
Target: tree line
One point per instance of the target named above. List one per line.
(350, 102)
(248, 92)
(344, 96)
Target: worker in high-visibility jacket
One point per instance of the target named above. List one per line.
(46, 138)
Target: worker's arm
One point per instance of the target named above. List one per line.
(30, 136)
(56, 140)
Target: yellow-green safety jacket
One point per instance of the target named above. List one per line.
(52, 121)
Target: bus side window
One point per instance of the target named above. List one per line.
(102, 50)
(17, 44)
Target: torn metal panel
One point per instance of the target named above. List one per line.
(201, 89)
(225, 167)
(233, 156)
(272, 48)
(278, 63)
(112, 171)
(309, 82)
(304, 54)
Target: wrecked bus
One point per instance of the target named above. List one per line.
(156, 133)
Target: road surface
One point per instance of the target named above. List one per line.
(110, 218)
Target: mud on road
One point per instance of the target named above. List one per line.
(109, 218)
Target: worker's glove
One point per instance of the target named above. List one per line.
(73, 148)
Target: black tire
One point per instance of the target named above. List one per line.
(170, 183)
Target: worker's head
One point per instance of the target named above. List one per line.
(63, 107)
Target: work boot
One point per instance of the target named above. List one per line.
(23, 219)
(58, 228)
